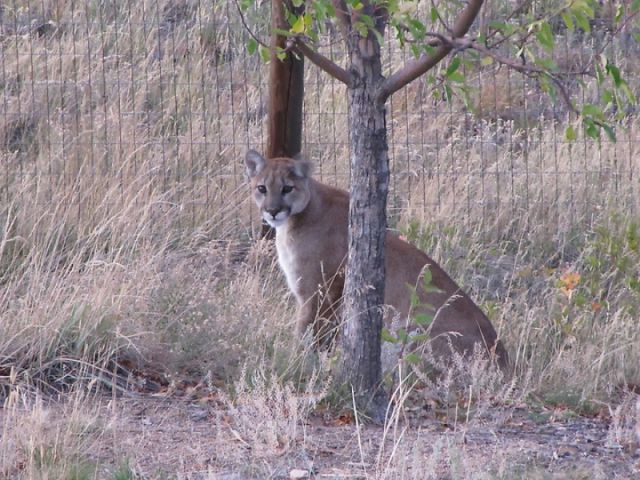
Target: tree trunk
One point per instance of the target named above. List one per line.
(286, 94)
(364, 283)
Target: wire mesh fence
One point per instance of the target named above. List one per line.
(157, 101)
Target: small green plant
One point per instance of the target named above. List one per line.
(125, 472)
(416, 332)
(608, 271)
(49, 461)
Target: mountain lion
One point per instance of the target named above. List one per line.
(311, 222)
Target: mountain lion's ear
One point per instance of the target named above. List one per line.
(301, 167)
(254, 163)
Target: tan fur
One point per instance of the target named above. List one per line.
(311, 239)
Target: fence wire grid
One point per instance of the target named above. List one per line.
(158, 97)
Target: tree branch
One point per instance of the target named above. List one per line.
(246, 27)
(527, 69)
(332, 68)
(424, 63)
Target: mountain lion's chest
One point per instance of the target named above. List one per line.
(289, 260)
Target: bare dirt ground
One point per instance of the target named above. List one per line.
(197, 438)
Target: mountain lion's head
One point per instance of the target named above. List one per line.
(280, 186)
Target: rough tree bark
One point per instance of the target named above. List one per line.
(365, 276)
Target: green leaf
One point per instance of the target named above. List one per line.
(586, 8)
(420, 338)
(545, 36)
(427, 277)
(280, 31)
(323, 12)
(252, 46)
(505, 28)
(453, 66)
(246, 4)
(399, 29)
(413, 358)
(619, 13)
(367, 20)
(403, 336)
(265, 54)
(393, 6)
(599, 74)
(608, 129)
(628, 92)
(570, 133)
(386, 336)
(414, 299)
(608, 97)
(456, 77)
(312, 33)
(591, 129)
(486, 61)
(299, 25)
(423, 319)
(469, 105)
(582, 21)
(298, 3)
(615, 74)
(417, 28)
(362, 29)
(568, 21)
(434, 14)
(448, 93)
(592, 111)
(547, 86)
(547, 63)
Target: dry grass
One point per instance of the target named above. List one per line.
(126, 254)
(40, 442)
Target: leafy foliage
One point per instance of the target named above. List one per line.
(609, 272)
(523, 38)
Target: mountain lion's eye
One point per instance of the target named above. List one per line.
(262, 189)
(287, 189)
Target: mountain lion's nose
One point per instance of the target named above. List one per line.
(273, 211)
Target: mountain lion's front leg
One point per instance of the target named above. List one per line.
(306, 315)
(320, 315)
